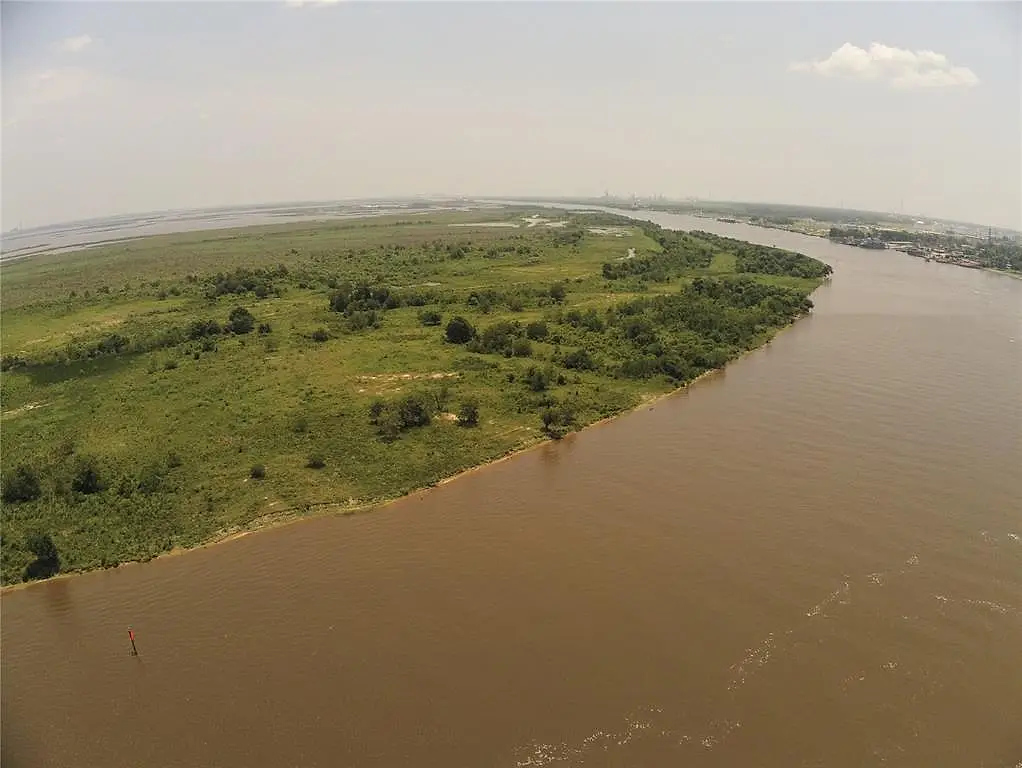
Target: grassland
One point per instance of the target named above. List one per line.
(139, 418)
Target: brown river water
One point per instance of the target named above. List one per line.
(811, 559)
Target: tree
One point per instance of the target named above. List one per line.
(47, 559)
(21, 485)
(413, 411)
(468, 413)
(579, 360)
(557, 420)
(497, 338)
(388, 424)
(459, 331)
(87, 477)
(538, 379)
(240, 320)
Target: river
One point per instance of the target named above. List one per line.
(811, 559)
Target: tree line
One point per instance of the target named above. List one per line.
(239, 321)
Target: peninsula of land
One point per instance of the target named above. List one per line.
(169, 391)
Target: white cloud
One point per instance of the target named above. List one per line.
(75, 44)
(899, 67)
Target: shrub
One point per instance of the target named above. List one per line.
(591, 321)
(558, 292)
(391, 419)
(388, 425)
(361, 320)
(201, 328)
(126, 486)
(459, 331)
(315, 461)
(468, 413)
(557, 420)
(497, 339)
(430, 317)
(258, 472)
(521, 348)
(414, 411)
(320, 335)
(579, 360)
(87, 478)
(173, 460)
(300, 425)
(376, 409)
(21, 485)
(240, 320)
(440, 396)
(537, 379)
(150, 481)
(264, 328)
(11, 362)
(537, 330)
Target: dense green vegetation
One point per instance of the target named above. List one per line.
(168, 391)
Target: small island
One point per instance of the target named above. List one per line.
(171, 391)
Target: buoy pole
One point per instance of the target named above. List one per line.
(131, 636)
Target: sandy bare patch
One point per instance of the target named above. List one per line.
(503, 224)
(23, 409)
(629, 255)
(390, 377)
(391, 383)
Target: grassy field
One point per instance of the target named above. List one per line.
(130, 429)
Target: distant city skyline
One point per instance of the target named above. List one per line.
(115, 108)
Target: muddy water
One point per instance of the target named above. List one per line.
(813, 559)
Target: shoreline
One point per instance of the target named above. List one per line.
(995, 270)
(283, 518)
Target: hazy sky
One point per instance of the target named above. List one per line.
(120, 107)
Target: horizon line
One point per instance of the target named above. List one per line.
(438, 196)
